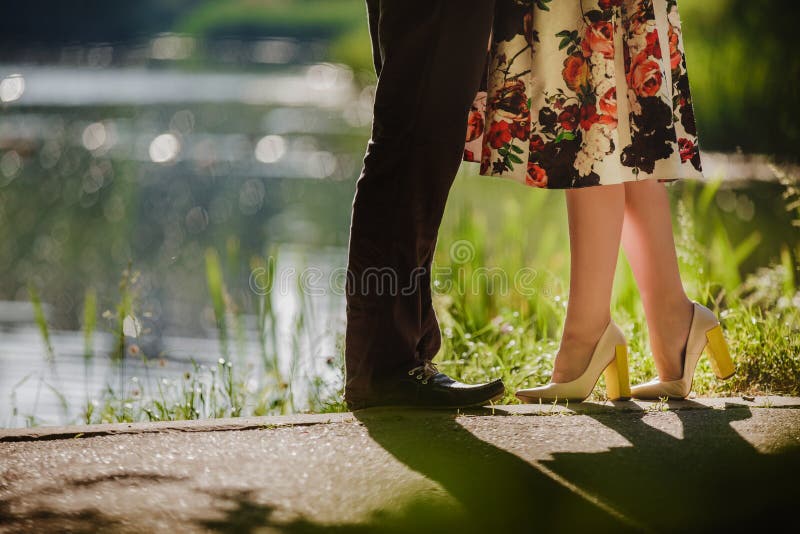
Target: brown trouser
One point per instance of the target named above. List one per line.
(429, 56)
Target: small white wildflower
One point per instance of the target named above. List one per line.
(131, 326)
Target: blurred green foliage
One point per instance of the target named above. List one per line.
(744, 69)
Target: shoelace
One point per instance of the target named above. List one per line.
(424, 372)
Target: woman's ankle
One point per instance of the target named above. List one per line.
(575, 350)
(583, 330)
(669, 331)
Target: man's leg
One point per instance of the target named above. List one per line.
(429, 55)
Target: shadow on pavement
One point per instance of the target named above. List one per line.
(495, 490)
(710, 479)
(86, 520)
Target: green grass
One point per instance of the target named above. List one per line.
(514, 334)
(233, 387)
(494, 325)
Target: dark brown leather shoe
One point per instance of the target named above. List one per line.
(426, 387)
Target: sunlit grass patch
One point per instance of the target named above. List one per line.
(500, 291)
(514, 334)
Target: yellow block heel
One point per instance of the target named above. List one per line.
(718, 354)
(610, 357)
(618, 385)
(705, 335)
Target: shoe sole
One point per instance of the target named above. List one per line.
(535, 400)
(544, 400)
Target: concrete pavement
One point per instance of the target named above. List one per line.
(701, 465)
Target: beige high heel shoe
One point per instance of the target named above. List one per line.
(610, 356)
(705, 333)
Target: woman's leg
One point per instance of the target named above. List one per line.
(595, 225)
(650, 249)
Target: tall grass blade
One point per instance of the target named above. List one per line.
(216, 289)
(89, 326)
(41, 322)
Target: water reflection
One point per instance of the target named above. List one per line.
(157, 357)
(11, 88)
(164, 148)
(172, 46)
(270, 148)
(95, 138)
(324, 85)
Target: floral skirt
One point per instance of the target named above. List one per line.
(584, 92)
